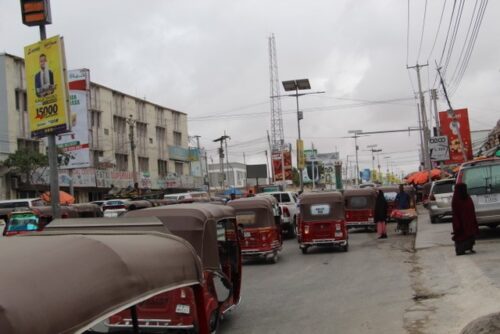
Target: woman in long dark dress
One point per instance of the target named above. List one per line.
(465, 226)
(381, 215)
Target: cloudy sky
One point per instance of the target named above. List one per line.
(210, 59)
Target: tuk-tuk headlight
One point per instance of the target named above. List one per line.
(306, 229)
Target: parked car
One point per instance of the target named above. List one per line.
(482, 178)
(117, 207)
(289, 210)
(439, 203)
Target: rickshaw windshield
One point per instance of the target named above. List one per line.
(23, 222)
(322, 211)
(246, 218)
(358, 202)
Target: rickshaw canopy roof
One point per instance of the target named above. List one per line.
(195, 222)
(360, 192)
(314, 198)
(262, 206)
(66, 283)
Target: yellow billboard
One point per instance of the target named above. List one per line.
(46, 87)
(300, 154)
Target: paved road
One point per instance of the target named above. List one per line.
(365, 290)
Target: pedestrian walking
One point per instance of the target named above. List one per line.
(402, 200)
(381, 215)
(465, 228)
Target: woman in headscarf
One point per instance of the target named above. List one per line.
(381, 215)
(465, 226)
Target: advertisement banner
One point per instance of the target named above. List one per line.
(301, 161)
(439, 149)
(46, 87)
(452, 128)
(75, 144)
(278, 167)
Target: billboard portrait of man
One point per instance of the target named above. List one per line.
(44, 79)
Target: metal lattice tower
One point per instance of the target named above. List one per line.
(277, 134)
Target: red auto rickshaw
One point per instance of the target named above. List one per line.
(103, 273)
(322, 221)
(360, 207)
(212, 231)
(261, 220)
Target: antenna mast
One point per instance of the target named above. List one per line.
(277, 135)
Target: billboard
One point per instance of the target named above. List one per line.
(452, 128)
(278, 167)
(257, 171)
(439, 149)
(46, 87)
(75, 144)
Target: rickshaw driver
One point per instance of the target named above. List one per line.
(402, 200)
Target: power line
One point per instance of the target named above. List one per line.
(438, 29)
(423, 30)
(454, 36)
(408, 35)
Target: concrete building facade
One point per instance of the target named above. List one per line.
(161, 139)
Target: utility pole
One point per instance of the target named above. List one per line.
(425, 126)
(422, 159)
(131, 123)
(436, 113)
(227, 157)
(199, 154)
(208, 174)
(272, 176)
(245, 163)
(267, 162)
(355, 136)
(222, 176)
(312, 165)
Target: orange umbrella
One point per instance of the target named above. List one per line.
(64, 197)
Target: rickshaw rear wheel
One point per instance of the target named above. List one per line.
(274, 259)
(304, 250)
(345, 248)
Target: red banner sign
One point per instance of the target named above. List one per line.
(277, 166)
(453, 126)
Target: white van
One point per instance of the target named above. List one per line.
(197, 195)
(21, 203)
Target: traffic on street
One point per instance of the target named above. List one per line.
(236, 167)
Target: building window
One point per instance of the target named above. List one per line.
(95, 119)
(160, 117)
(94, 98)
(142, 135)
(30, 145)
(143, 164)
(121, 162)
(141, 110)
(18, 98)
(120, 131)
(179, 168)
(162, 168)
(161, 139)
(177, 138)
(95, 157)
(176, 120)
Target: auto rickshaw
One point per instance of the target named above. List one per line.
(360, 207)
(70, 283)
(261, 220)
(21, 221)
(212, 231)
(322, 221)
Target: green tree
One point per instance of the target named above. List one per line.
(25, 162)
(295, 176)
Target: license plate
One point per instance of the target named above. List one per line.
(370, 220)
(183, 309)
(488, 198)
(111, 214)
(247, 234)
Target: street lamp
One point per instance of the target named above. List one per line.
(373, 150)
(387, 157)
(296, 85)
(356, 135)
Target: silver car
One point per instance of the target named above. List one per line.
(440, 197)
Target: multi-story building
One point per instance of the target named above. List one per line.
(161, 140)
